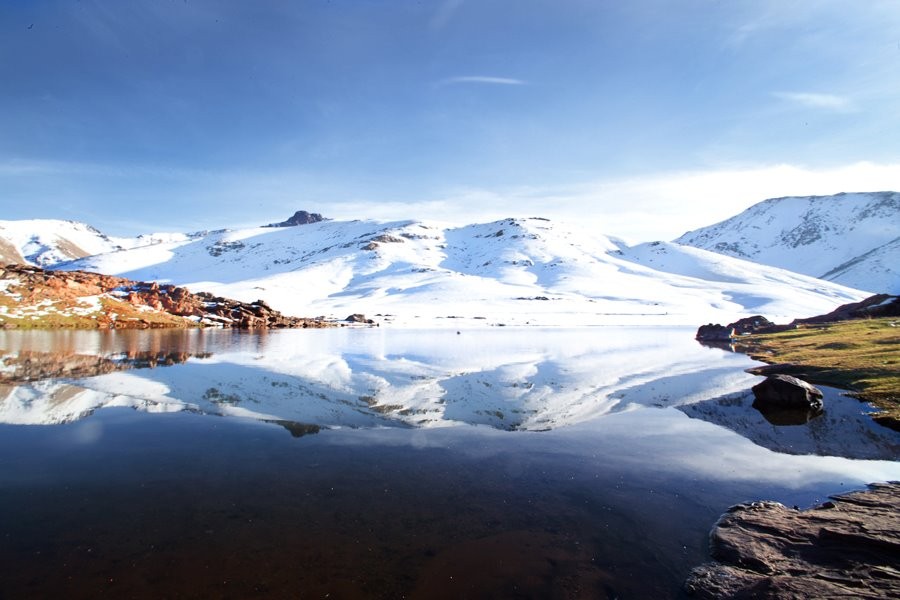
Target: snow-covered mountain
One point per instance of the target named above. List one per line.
(852, 239)
(515, 271)
(45, 242)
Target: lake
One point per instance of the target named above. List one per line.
(377, 463)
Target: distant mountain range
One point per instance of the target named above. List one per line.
(47, 242)
(851, 239)
(510, 272)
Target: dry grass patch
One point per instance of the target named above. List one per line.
(72, 314)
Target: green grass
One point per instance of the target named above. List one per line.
(862, 356)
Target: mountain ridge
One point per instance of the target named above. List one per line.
(508, 272)
(514, 271)
(848, 238)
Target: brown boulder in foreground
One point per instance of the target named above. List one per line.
(846, 548)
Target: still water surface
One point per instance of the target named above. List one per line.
(524, 463)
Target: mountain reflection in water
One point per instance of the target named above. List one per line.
(628, 443)
(511, 380)
(520, 380)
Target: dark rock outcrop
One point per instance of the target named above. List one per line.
(879, 305)
(301, 217)
(783, 392)
(359, 318)
(754, 324)
(846, 548)
(715, 333)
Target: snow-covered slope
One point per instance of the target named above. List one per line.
(45, 242)
(877, 269)
(514, 271)
(852, 239)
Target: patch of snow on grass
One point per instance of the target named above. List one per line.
(88, 305)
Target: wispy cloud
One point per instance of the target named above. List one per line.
(444, 13)
(480, 79)
(742, 33)
(818, 101)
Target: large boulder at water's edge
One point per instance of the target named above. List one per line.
(359, 318)
(754, 324)
(783, 392)
(715, 333)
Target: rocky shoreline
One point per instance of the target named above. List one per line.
(36, 297)
(848, 547)
(879, 305)
(851, 348)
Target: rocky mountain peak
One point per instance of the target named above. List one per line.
(301, 217)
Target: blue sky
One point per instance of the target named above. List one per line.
(642, 118)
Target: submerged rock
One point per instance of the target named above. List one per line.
(786, 393)
(846, 548)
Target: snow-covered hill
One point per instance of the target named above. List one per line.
(512, 272)
(852, 239)
(46, 242)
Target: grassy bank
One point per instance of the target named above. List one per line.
(862, 356)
